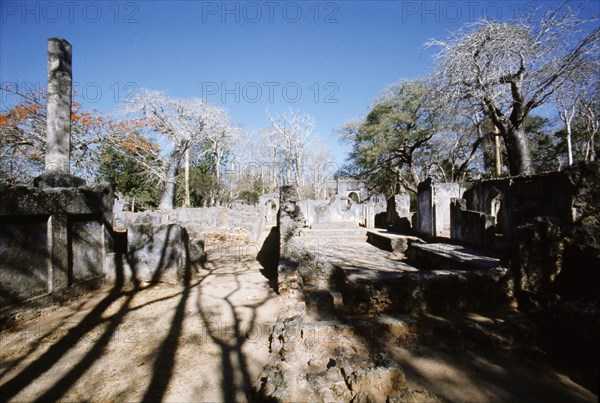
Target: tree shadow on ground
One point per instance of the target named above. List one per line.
(98, 327)
(233, 336)
(165, 360)
(74, 335)
(101, 323)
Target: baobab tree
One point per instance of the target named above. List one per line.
(183, 122)
(511, 68)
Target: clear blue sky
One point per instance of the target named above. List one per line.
(329, 58)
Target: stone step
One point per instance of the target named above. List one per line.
(445, 256)
(337, 231)
(375, 282)
(391, 242)
(334, 225)
(344, 235)
(375, 292)
(481, 330)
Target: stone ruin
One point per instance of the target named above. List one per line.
(59, 232)
(499, 246)
(60, 235)
(348, 202)
(515, 243)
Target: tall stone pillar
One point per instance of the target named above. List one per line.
(58, 118)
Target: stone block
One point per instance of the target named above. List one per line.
(197, 251)
(157, 252)
(87, 249)
(380, 384)
(58, 180)
(433, 207)
(539, 255)
(52, 237)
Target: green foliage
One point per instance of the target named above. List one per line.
(387, 143)
(545, 150)
(205, 188)
(129, 177)
(249, 197)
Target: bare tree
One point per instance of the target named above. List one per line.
(511, 68)
(295, 129)
(589, 112)
(566, 105)
(220, 136)
(180, 121)
(272, 140)
(321, 168)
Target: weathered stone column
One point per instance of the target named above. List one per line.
(58, 118)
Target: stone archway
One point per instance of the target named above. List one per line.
(354, 197)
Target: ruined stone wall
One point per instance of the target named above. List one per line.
(347, 186)
(52, 238)
(524, 198)
(245, 221)
(290, 221)
(552, 222)
(433, 208)
(398, 217)
(334, 210)
(340, 210)
(471, 227)
(316, 360)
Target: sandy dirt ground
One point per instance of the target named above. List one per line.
(205, 340)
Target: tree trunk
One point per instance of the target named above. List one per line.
(187, 202)
(566, 115)
(519, 155)
(168, 196)
(273, 173)
(569, 142)
(498, 152)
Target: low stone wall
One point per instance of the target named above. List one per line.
(340, 210)
(154, 253)
(471, 227)
(336, 210)
(245, 221)
(52, 238)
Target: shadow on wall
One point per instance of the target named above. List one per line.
(268, 257)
